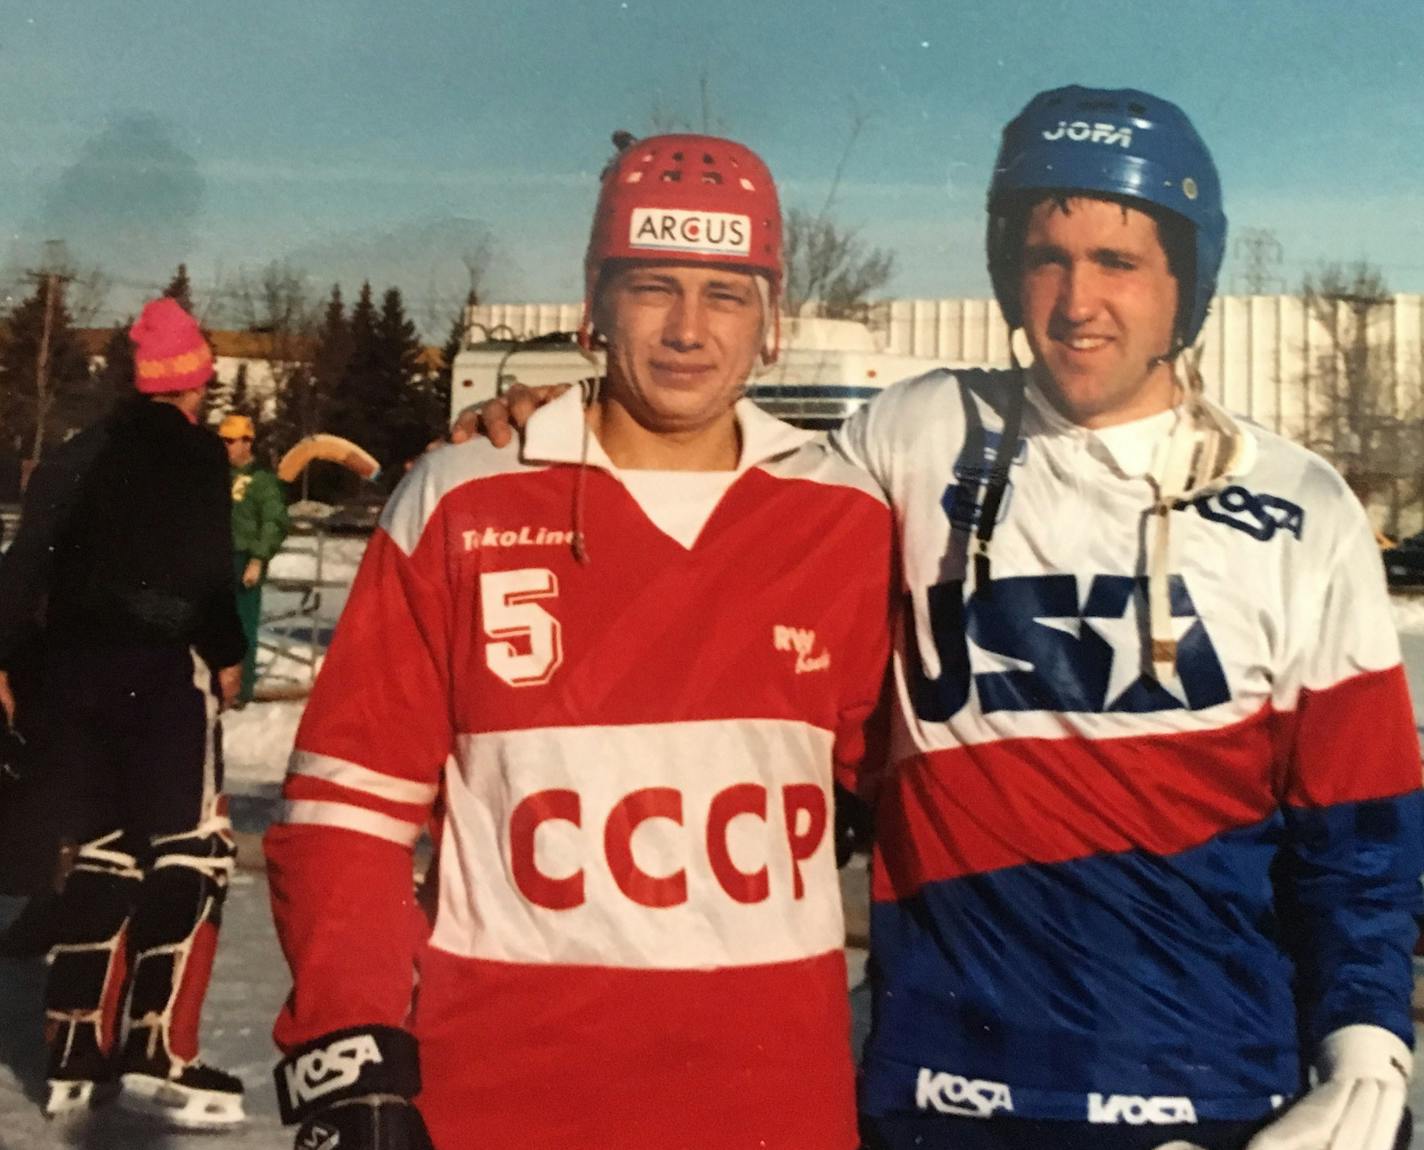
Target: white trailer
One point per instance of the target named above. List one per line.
(827, 369)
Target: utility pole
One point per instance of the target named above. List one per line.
(52, 281)
(1262, 253)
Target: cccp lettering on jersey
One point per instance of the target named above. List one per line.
(1135, 1110)
(802, 817)
(954, 1094)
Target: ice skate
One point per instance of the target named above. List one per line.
(80, 1075)
(196, 1097)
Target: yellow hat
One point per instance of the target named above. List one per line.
(236, 427)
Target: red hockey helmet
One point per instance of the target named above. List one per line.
(687, 199)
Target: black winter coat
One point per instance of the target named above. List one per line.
(125, 540)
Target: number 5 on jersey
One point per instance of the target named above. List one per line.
(528, 641)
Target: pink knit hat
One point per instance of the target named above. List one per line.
(170, 353)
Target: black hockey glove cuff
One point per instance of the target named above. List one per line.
(344, 1065)
(371, 1123)
(854, 825)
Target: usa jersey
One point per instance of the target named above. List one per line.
(1100, 896)
(638, 939)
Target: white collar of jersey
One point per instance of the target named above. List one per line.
(555, 434)
(1140, 449)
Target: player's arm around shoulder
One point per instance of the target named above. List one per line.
(881, 437)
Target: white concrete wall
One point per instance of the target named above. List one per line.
(1261, 356)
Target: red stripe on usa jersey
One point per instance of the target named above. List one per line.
(947, 814)
(1350, 742)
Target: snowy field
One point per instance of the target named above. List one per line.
(250, 977)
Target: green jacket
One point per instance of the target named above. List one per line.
(259, 512)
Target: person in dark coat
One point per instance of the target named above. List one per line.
(124, 562)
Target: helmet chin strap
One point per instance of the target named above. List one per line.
(1198, 453)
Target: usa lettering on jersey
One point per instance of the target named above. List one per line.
(1065, 653)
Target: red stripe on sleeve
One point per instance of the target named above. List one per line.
(1350, 742)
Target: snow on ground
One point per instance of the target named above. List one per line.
(256, 743)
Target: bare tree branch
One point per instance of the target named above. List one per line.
(1360, 417)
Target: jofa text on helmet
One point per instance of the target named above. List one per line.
(1098, 133)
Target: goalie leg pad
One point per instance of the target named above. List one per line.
(87, 963)
(173, 941)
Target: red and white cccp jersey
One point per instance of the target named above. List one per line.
(638, 939)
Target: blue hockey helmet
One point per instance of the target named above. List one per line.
(1120, 143)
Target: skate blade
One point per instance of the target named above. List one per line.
(180, 1105)
(71, 1096)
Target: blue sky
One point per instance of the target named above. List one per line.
(359, 138)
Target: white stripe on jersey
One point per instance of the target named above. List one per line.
(359, 778)
(534, 846)
(344, 816)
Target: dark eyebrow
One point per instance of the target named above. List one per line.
(740, 285)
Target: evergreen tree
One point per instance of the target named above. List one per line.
(454, 345)
(358, 410)
(409, 391)
(240, 401)
(117, 372)
(311, 401)
(35, 412)
(109, 382)
(180, 288)
(329, 364)
(399, 352)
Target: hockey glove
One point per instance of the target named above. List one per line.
(351, 1090)
(1358, 1103)
(373, 1122)
(854, 823)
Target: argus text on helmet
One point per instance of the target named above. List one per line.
(680, 230)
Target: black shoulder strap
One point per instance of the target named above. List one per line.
(998, 482)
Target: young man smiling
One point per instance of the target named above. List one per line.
(614, 657)
(1150, 848)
